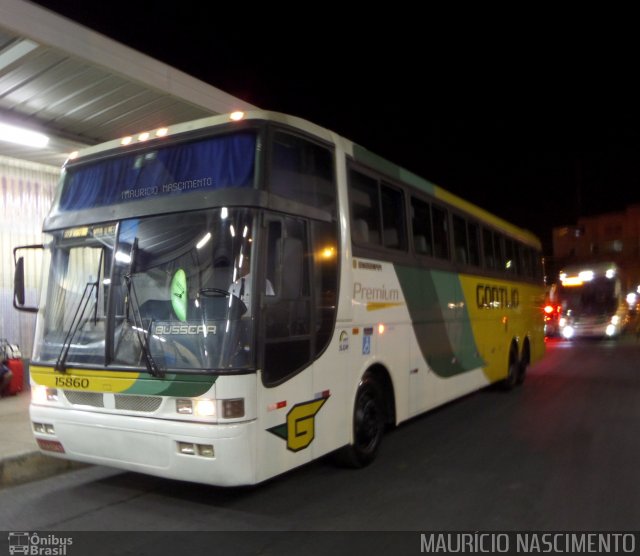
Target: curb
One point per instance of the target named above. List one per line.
(32, 466)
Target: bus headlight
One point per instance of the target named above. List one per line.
(204, 408)
(199, 408)
(611, 330)
(43, 394)
(568, 331)
(233, 408)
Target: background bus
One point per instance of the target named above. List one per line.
(236, 297)
(592, 300)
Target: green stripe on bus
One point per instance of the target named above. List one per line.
(173, 385)
(440, 321)
(394, 171)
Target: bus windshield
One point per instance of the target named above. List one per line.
(173, 290)
(594, 298)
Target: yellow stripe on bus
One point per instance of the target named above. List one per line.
(83, 379)
(377, 305)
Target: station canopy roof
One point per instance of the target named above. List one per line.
(80, 87)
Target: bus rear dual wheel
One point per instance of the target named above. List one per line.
(368, 426)
(516, 372)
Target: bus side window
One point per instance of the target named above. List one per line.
(421, 227)
(393, 220)
(440, 232)
(460, 242)
(488, 245)
(303, 171)
(287, 314)
(473, 231)
(510, 257)
(325, 281)
(365, 204)
(525, 267)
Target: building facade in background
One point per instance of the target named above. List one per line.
(613, 236)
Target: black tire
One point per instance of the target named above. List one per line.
(513, 373)
(368, 426)
(522, 369)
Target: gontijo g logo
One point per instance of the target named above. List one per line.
(300, 427)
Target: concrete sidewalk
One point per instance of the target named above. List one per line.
(20, 459)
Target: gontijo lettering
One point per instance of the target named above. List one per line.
(496, 297)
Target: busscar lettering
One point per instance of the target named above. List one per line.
(490, 296)
(184, 329)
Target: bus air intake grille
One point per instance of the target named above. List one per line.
(92, 399)
(130, 402)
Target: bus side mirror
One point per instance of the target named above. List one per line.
(18, 284)
(19, 297)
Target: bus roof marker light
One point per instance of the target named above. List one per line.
(236, 116)
(144, 136)
(126, 140)
(162, 132)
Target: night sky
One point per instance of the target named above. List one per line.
(538, 125)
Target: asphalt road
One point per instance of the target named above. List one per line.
(559, 453)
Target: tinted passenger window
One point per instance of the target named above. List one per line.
(473, 232)
(303, 171)
(460, 245)
(393, 226)
(365, 226)
(421, 227)
(510, 254)
(490, 251)
(440, 232)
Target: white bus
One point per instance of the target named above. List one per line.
(592, 301)
(230, 298)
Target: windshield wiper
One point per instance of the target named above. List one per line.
(138, 325)
(61, 363)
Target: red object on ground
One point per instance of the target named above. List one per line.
(17, 382)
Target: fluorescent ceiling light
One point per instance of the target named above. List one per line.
(16, 51)
(23, 136)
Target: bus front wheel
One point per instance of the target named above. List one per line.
(368, 425)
